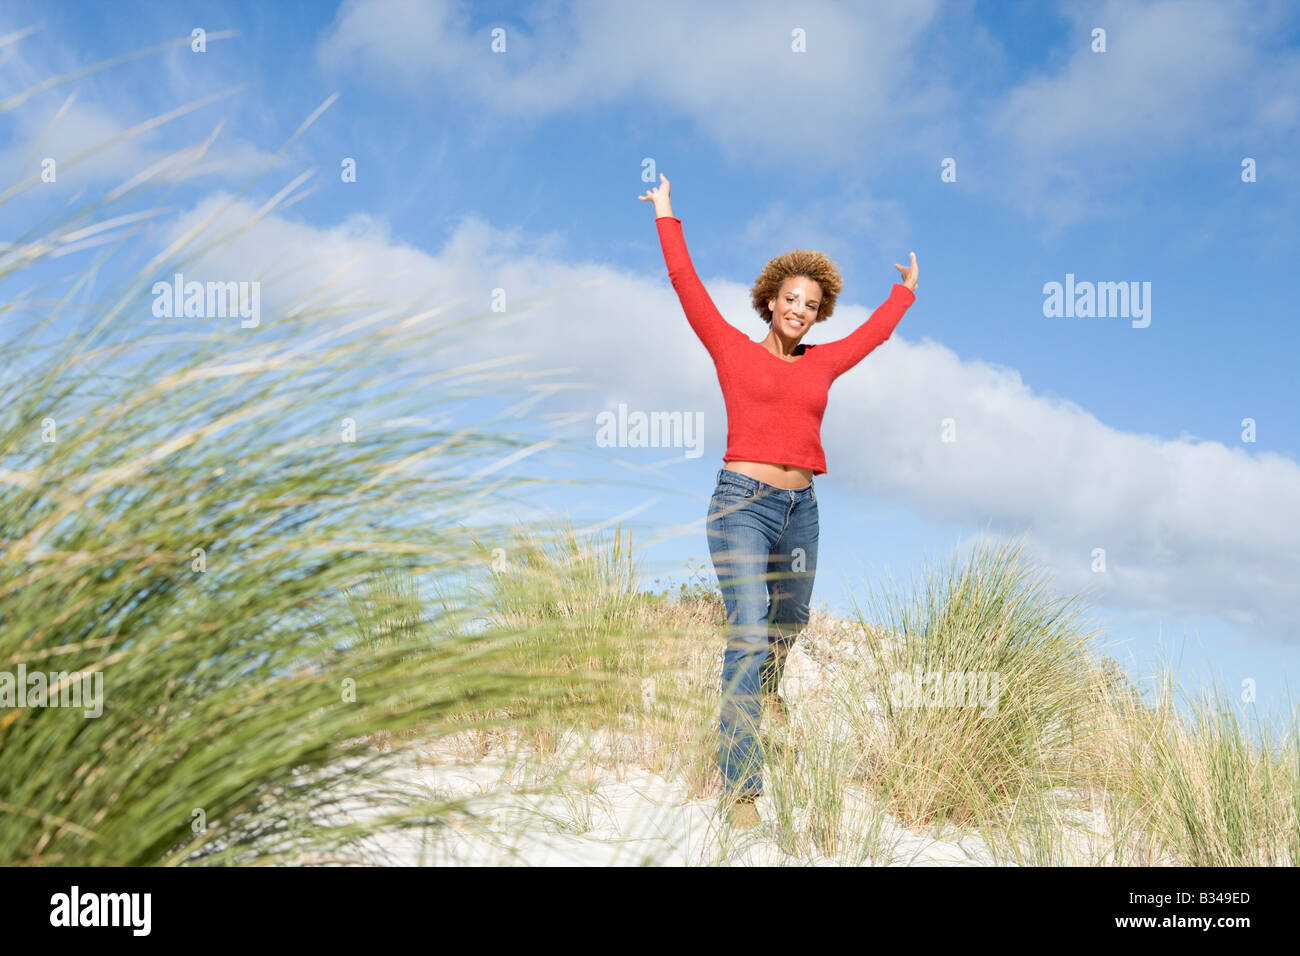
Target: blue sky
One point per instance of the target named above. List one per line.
(479, 170)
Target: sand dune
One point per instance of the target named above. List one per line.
(614, 813)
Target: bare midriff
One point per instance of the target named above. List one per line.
(782, 476)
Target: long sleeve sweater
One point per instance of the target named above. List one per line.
(774, 406)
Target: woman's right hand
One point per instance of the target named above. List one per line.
(659, 196)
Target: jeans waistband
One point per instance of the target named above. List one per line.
(727, 476)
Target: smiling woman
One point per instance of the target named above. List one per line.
(763, 520)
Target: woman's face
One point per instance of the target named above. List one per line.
(794, 310)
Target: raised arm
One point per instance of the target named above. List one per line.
(853, 348)
(709, 325)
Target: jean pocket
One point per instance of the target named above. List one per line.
(726, 491)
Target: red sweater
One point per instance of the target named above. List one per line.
(774, 407)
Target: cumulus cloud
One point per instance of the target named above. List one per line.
(930, 80)
(1190, 526)
(1159, 59)
(1175, 77)
(88, 144)
(99, 134)
(727, 66)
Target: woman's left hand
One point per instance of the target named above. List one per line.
(909, 274)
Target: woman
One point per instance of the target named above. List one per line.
(762, 521)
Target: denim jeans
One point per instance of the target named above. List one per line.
(763, 540)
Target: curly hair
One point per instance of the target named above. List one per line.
(801, 262)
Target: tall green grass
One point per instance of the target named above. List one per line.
(1075, 764)
(198, 533)
(273, 629)
(991, 620)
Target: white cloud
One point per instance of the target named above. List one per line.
(98, 133)
(1192, 526)
(729, 66)
(1177, 78)
(929, 81)
(82, 129)
(874, 228)
(1162, 78)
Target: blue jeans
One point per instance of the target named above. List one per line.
(763, 540)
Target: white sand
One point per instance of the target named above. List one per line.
(645, 819)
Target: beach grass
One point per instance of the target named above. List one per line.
(1069, 764)
(297, 598)
(216, 536)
